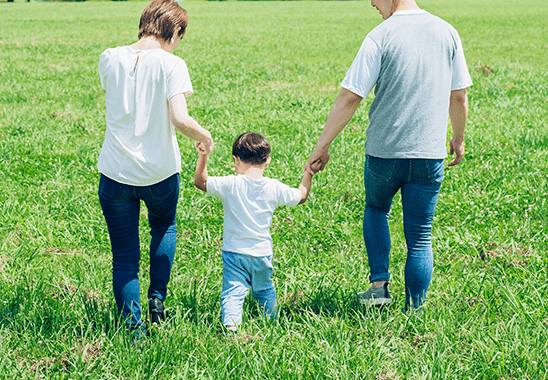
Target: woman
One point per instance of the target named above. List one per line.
(416, 63)
(146, 88)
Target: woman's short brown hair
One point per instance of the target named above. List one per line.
(160, 19)
(252, 148)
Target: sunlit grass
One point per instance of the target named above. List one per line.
(274, 68)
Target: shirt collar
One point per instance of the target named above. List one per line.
(410, 12)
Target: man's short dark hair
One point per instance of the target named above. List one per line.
(251, 148)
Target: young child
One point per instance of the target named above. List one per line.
(249, 200)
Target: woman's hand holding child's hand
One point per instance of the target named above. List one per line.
(204, 149)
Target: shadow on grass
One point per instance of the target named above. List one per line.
(197, 305)
(200, 306)
(46, 310)
(329, 299)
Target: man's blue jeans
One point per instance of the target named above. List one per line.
(420, 181)
(121, 206)
(240, 272)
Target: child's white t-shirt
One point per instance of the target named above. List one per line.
(248, 207)
(140, 146)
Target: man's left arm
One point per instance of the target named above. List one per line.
(458, 113)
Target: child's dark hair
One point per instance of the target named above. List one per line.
(252, 148)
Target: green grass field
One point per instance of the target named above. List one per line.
(274, 68)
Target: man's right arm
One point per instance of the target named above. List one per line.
(343, 109)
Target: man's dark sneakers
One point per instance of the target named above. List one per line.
(375, 296)
(156, 310)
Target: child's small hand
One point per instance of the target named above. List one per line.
(202, 148)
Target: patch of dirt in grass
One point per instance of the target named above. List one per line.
(417, 340)
(58, 251)
(88, 354)
(46, 363)
(62, 291)
(288, 221)
(293, 302)
(388, 375)
(473, 301)
(245, 338)
(511, 257)
(57, 115)
(93, 295)
(485, 70)
(3, 262)
(347, 197)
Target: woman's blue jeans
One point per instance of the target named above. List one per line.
(121, 206)
(420, 182)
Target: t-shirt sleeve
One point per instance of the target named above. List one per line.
(287, 196)
(461, 77)
(217, 186)
(103, 62)
(178, 80)
(364, 71)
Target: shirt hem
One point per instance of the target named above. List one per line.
(407, 156)
(247, 254)
(129, 183)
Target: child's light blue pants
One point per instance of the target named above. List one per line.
(241, 272)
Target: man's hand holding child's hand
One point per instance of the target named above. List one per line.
(314, 167)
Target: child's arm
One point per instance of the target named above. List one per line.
(305, 186)
(200, 175)
(306, 183)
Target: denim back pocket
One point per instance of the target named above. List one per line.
(108, 188)
(165, 188)
(382, 169)
(434, 170)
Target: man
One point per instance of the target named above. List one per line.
(416, 62)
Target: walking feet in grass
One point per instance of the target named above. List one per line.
(157, 315)
(231, 330)
(156, 310)
(378, 295)
(375, 296)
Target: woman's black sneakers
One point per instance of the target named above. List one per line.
(156, 310)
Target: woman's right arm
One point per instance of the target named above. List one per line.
(184, 123)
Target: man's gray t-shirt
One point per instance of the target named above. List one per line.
(414, 59)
